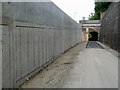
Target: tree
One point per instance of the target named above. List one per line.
(93, 16)
(100, 7)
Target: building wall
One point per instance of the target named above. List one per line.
(33, 35)
(109, 32)
(84, 36)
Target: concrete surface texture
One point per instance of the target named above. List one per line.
(0, 56)
(27, 49)
(33, 35)
(0, 45)
(43, 13)
(79, 68)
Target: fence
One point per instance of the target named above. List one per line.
(33, 35)
(110, 32)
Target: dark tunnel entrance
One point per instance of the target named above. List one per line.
(93, 36)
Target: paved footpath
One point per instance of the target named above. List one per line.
(80, 67)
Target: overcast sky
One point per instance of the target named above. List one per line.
(76, 8)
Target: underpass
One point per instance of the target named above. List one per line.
(46, 50)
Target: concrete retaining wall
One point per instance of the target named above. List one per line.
(109, 33)
(0, 56)
(33, 35)
(0, 46)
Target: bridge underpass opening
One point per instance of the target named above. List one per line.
(93, 36)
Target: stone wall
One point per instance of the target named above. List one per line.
(109, 32)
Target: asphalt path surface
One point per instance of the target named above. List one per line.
(79, 68)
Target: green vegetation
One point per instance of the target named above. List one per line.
(90, 36)
(100, 7)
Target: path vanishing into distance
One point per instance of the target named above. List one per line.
(81, 67)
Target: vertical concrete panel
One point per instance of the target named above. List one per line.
(18, 54)
(49, 45)
(44, 41)
(0, 54)
(6, 79)
(67, 34)
(14, 63)
(65, 40)
(57, 40)
(40, 47)
(11, 53)
(36, 45)
(62, 37)
(31, 49)
(60, 42)
(52, 44)
(55, 43)
(24, 52)
(0, 45)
